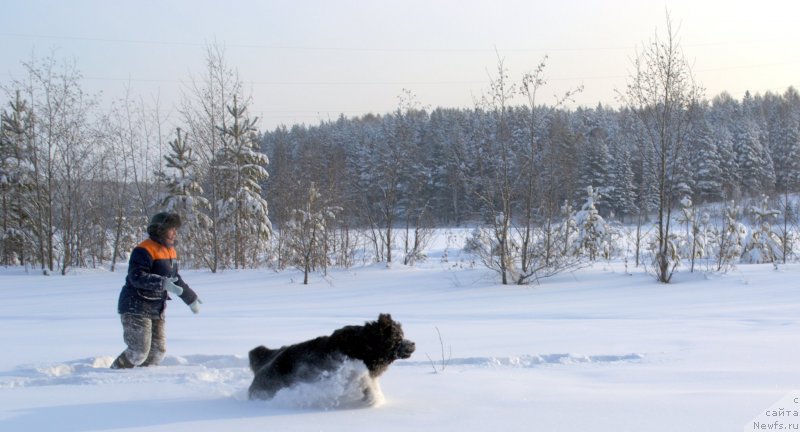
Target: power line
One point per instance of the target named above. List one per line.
(364, 49)
(96, 39)
(299, 47)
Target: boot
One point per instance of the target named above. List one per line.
(121, 362)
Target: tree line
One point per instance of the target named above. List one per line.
(79, 181)
(432, 165)
(514, 167)
(451, 167)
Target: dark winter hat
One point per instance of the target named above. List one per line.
(161, 222)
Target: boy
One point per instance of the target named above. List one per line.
(152, 276)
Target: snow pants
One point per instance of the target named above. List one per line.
(146, 339)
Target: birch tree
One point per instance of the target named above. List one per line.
(498, 175)
(536, 184)
(661, 92)
(204, 113)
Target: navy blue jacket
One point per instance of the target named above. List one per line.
(143, 292)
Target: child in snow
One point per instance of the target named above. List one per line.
(152, 276)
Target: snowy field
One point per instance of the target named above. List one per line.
(594, 350)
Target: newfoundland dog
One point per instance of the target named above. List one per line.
(376, 343)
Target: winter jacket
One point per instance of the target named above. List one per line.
(143, 293)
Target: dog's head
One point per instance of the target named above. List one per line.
(378, 343)
(386, 339)
(392, 332)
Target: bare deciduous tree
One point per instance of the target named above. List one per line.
(204, 112)
(662, 92)
(308, 232)
(497, 192)
(537, 183)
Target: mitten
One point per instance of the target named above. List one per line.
(188, 296)
(169, 285)
(195, 306)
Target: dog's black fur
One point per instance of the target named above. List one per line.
(376, 343)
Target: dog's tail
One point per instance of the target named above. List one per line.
(259, 356)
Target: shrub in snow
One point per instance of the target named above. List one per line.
(308, 231)
(548, 252)
(763, 245)
(694, 242)
(485, 246)
(731, 241)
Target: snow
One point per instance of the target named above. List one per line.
(598, 349)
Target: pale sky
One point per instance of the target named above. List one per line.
(309, 60)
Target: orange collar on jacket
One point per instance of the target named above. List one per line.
(158, 251)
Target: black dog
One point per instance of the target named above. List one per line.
(376, 343)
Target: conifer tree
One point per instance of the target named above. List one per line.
(594, 161)
(722, 121)
(16, 183)
(593, 232)
(754, 173)
(184, 195)
(621, 192)
(244, 214)
(756, 168)
(785, 142)
(707, 164)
